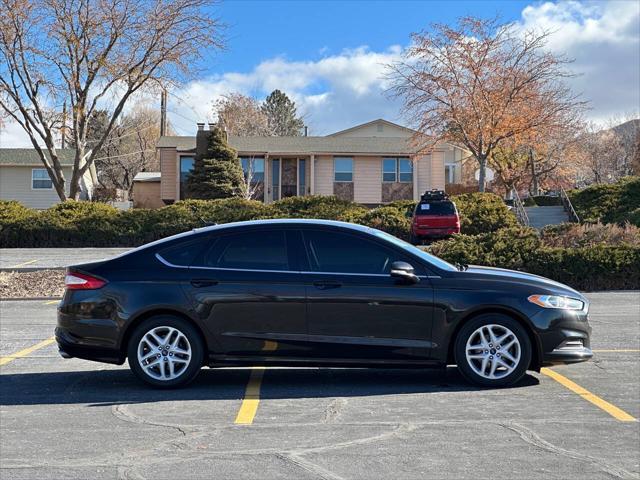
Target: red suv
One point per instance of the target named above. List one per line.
(435, 216)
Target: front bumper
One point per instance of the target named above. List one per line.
(566, 338)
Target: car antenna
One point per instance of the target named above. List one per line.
(199, 217)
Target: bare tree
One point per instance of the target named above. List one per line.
(482, 83)
(241, 115)
(254, 186)
(90, 53)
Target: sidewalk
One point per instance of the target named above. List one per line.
(40, 258)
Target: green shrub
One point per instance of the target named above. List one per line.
(546, 200)
(609, 203)
(529, 202)
(388, 219)
(483, 212)
(315, 206)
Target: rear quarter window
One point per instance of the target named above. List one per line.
(184, 253)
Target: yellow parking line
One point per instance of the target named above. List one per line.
(612, 410)
(26, 351)
(251, 399)
(617, 350)
(50, 302)
(24, 263)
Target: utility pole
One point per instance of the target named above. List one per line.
(163, 112)
(63, 129)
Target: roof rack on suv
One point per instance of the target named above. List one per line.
(434, 195)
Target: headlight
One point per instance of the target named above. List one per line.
(557, 301)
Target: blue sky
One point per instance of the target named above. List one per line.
(309, 30)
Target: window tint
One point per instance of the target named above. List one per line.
(389, 170)
(343, 168)
(406, 170)
(255, 250)
(397, 169)
(184, 253)
(186, 166)
(341, 252)
(435, 208)
(40, 179)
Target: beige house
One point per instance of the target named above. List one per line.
(372, 163)
(24, 178)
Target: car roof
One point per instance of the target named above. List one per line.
(252, 223)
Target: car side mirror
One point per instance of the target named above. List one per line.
(403, 271)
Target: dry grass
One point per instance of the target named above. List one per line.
(42, 283)
(587, 235)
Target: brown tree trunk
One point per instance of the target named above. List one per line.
(482, 161)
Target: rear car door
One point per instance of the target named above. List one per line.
(356, 310)
(246, 289)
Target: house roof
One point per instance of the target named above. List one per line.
(29, 157)
(373, 122)
(303, 145)
(147, 177)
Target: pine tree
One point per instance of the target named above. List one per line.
(282, 116)
(217, 173)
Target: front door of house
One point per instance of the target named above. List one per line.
(289, 177)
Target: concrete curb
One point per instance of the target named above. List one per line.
(29, 269)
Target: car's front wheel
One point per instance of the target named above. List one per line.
(165, 352)
(493, 350)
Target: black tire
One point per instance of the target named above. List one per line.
(188, 330)
(500, 320)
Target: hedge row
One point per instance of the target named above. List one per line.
(595, 267)
(609, 203)
(90, 224)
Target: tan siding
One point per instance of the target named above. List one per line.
(424, 173)
(169, 178)
(324, 175)
(373, 131)
(437, 170)
(147, 195)
(367, 181)
(15, 184)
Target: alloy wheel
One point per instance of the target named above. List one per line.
(164, 353)
(493, 351)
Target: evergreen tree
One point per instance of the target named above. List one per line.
(217, 173)
(282, 116)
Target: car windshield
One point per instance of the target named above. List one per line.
(427, 257)
(435, 208)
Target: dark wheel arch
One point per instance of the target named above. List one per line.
(536, 347)
(133, 324)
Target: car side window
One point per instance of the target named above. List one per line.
(332, 251)
(252, 250)
(184, 253)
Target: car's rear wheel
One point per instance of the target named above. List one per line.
(165, 351)
(493, 350)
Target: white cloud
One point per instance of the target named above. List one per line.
(604, 40)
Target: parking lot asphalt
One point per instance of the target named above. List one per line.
(77, 420)
(32, 258)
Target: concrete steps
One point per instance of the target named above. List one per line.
(540, 217)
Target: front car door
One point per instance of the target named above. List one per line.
(246, 289)
(356, 310)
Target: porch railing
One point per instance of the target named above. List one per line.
(568, 207)
(518, 208)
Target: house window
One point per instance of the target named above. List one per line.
(449, 173)
(253, 166)
(40, 179)
(343, 169)
(186, 165)
(397, 170)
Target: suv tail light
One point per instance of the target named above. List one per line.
(82, 281)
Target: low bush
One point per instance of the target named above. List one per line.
(546, 201)
(482, 213)
(529, 202)
(315, 206)
(593, 267)
(609, 203)
(573, 235)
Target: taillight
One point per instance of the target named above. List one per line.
(82, 281)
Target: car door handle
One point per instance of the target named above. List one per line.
(326, 285)
(200, 283)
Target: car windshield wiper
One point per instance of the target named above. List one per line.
(461, 267)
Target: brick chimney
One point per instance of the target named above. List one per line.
(202, 140)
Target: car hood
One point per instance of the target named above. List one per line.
(522, 277)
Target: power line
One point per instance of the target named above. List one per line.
(125, 154)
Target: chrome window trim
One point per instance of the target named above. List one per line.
(169, 264)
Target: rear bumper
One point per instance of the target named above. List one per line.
(434, 232)
(69, 347)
